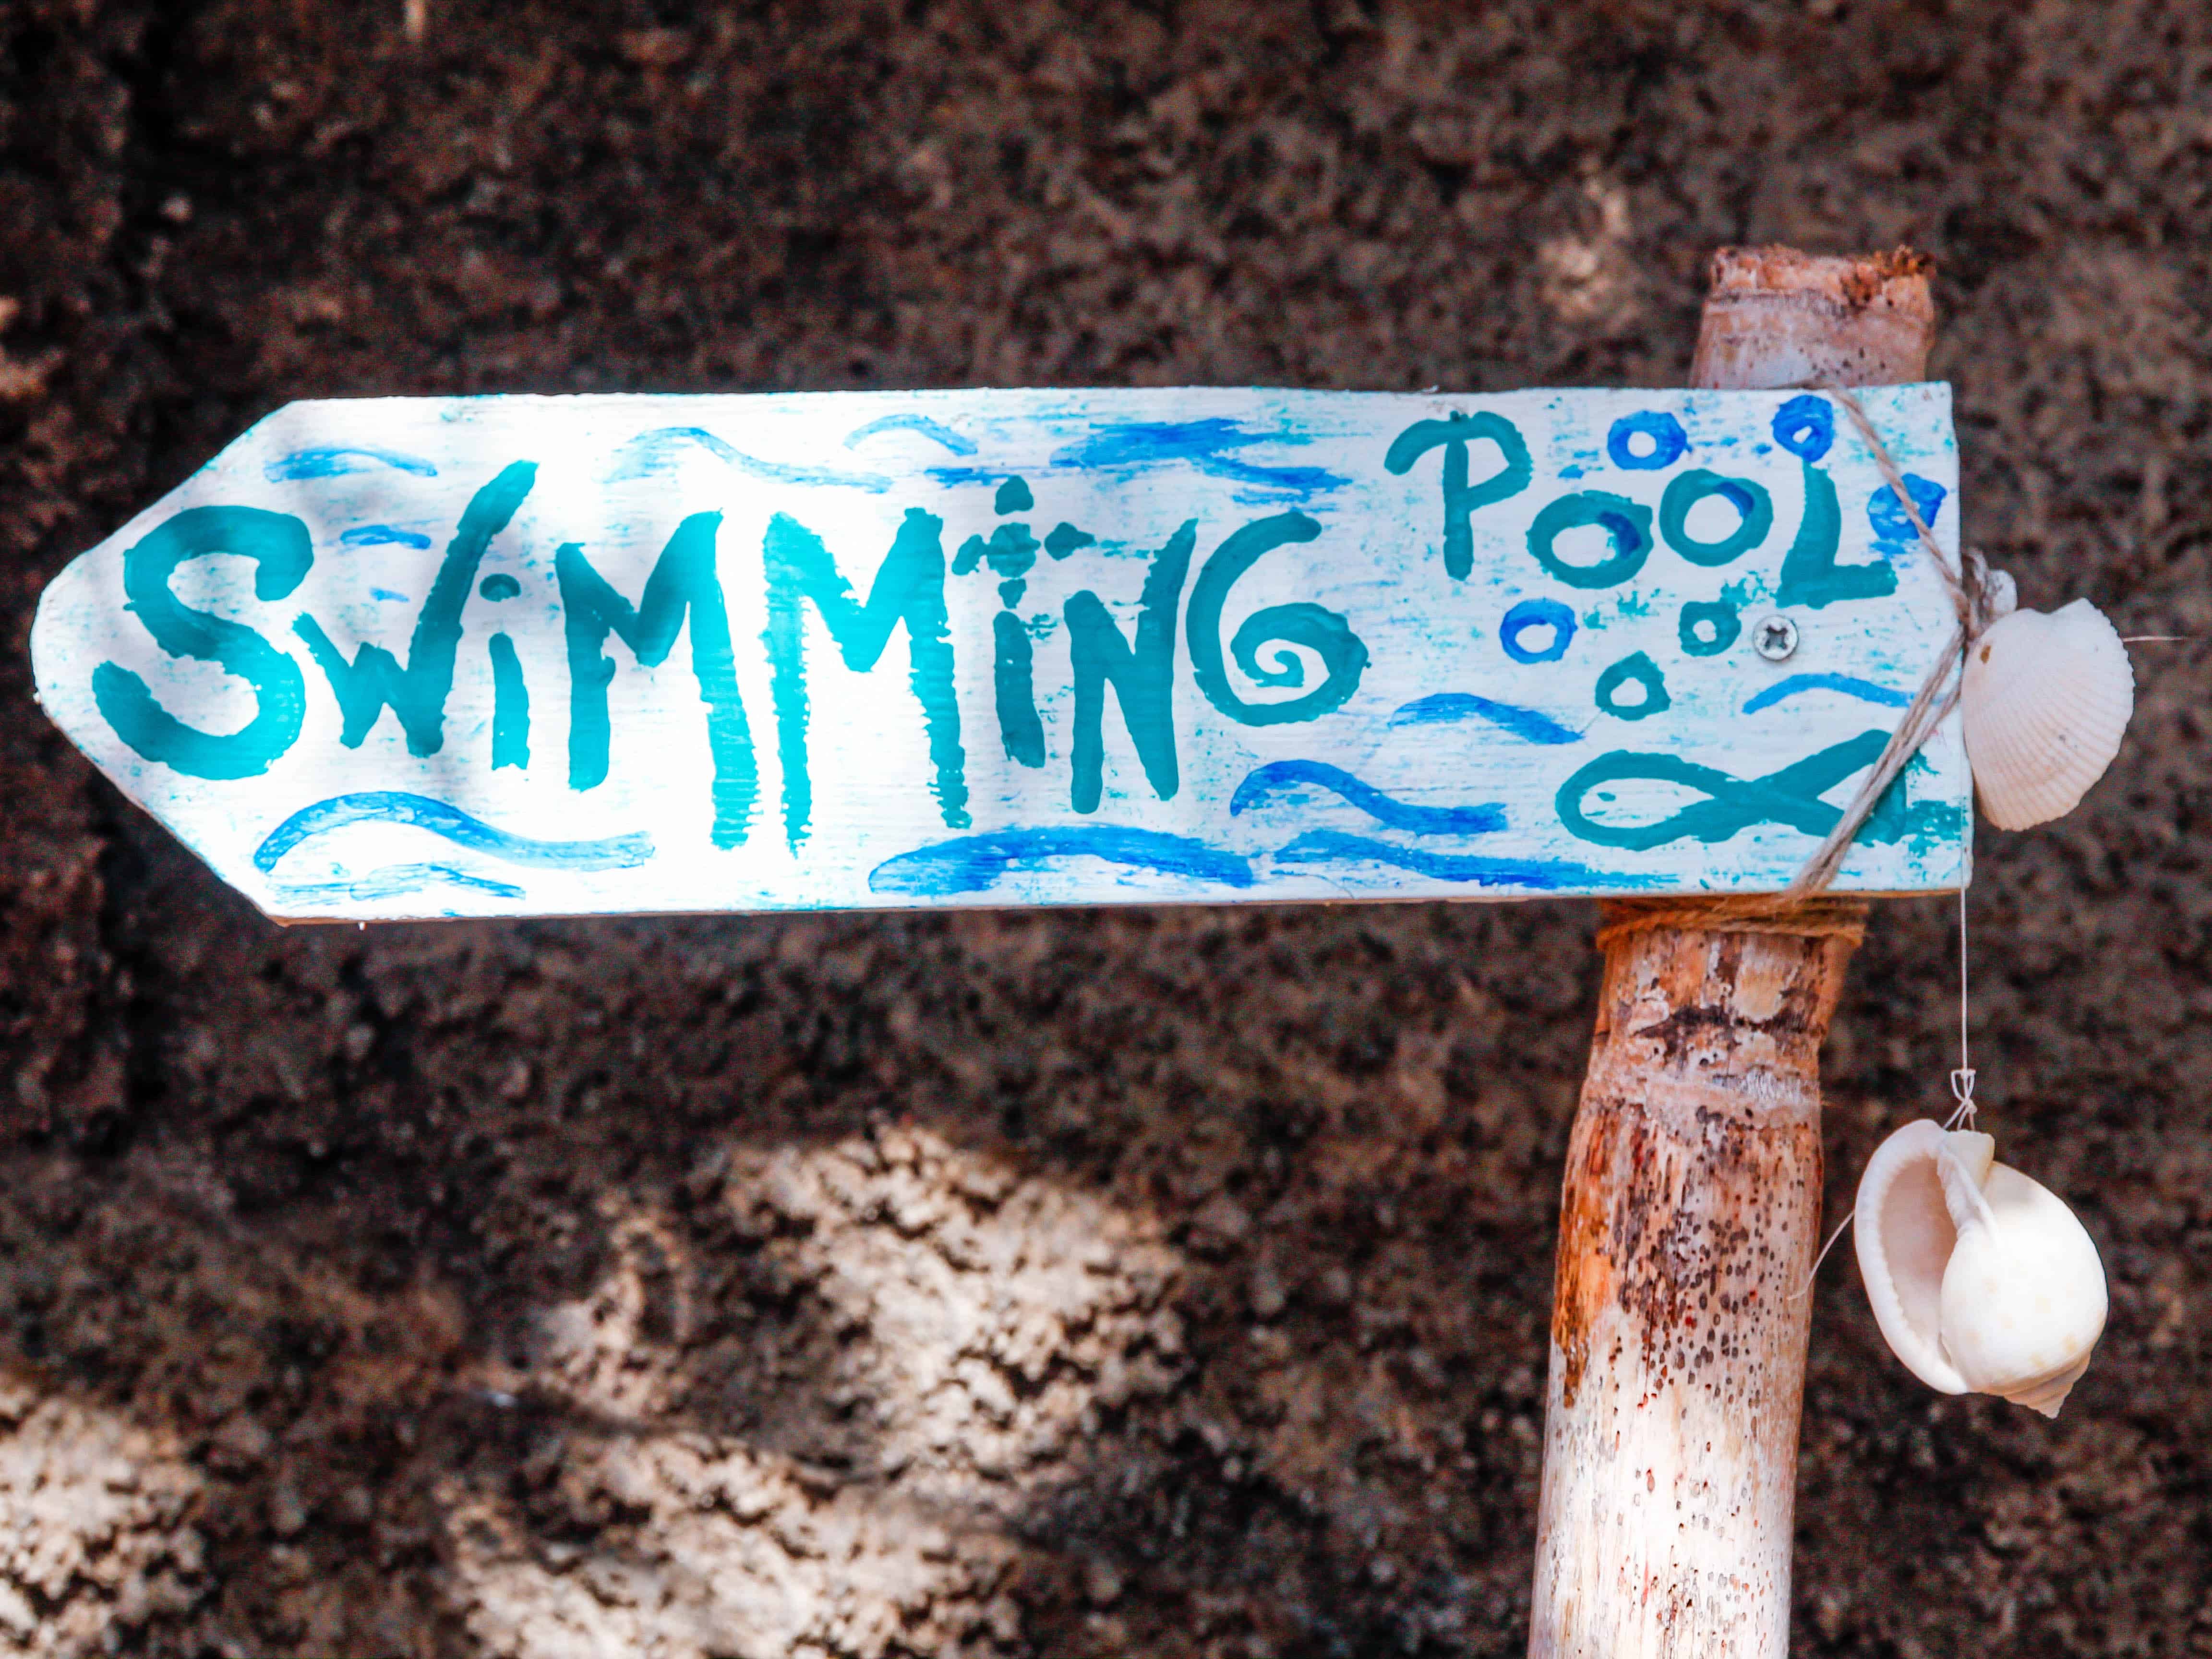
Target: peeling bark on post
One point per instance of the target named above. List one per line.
(1690, 1212)
(1691, 1204)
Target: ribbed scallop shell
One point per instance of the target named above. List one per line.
(1982, 1280)
(2047, 699)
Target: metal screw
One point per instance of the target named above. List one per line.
(1775, 638)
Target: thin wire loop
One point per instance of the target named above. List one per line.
(1962, 1080)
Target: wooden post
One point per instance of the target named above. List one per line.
(1689, 1212)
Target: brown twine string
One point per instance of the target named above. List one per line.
(1796, 909)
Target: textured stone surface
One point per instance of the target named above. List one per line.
(1170, 1283)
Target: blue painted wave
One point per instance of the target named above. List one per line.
(383, 535)
(1542, 875)
(1527, 724)
(973, 864)
(444, 819)
(335, 459)
(953, 477)
(395, 881)
(653, 452)
(1850, 687)
(386, 593)
(921, 423)
(1277, 776)
(1129, 446)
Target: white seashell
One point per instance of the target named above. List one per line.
(2047, 699)
(2000, 594)
(1982, 1280)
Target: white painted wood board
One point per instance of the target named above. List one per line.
(764, 652)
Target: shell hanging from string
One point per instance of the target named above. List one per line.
(2046, 700)
(1983, 1281)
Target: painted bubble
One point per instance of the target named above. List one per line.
(1708, 627)
(1649, 441)
(1531, 614)
(1886, 513)
(1806, 427)
(1639, 670)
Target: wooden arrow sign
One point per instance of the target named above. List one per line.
(406, 658)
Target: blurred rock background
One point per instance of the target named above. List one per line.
(1159, 1282)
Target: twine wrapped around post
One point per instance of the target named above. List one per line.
(1690, 1210)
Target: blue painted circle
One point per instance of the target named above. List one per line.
(1537, 613)
(1668, 440)
(1886, 513)
(1806, 427)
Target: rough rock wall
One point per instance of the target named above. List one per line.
(1167, 1283)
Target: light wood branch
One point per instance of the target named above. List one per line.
(1690, 1210)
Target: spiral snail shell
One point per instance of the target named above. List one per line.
(2047, 699)
(1982, 1280)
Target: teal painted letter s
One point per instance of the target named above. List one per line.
(279, 546)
